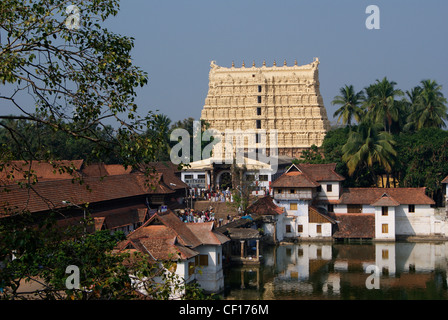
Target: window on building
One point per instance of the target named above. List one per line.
(330, 207)
(259, 88)
(318, 228)
(201, 176)
(384, 211)
(411, 208)
(279, 190)
(188, 176)
(258, 124)
(288, 228)
(293, 206)
(263, 177)
(259, 99)
(292, 190)
(385, 254)
(354, 208)
(258, 111)
(319, 252)
(329, 187)
(385, 228)
(299, 228)
(219, 258)
(203, 260)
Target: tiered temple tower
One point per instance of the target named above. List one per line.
(285, 98)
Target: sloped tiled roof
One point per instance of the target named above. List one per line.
(111, 218)
(371, 195)
(294, 179)
(18, 170)
(164, 236)
(385, 201)
(354, 225)
(305, 175)
(48, 195)
(445, 180)
(265, 206)
(321, 172)
(204, 232)
(315, 216)
(160, 242)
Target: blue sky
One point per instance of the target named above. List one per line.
(175, 40)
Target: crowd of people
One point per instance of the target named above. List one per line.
(196, 216)
(214, 196)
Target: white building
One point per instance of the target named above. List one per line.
(214, 172)
(317, 207)
(195, 249)
(297, 189)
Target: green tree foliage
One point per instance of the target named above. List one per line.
(70, 92)
(423, 160)
(350, 103)
(42, 142)
(188, 125)
(368, 146)
(42, 255)
(428, 105)
(78, 79)
(412, 155)
(381, 104)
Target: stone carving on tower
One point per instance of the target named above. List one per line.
(284, 98)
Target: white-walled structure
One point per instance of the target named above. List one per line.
(296, 191)
(195, 248)
(317, 206)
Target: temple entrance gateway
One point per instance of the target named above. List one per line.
(224, 180)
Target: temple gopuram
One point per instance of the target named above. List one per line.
(282, 98)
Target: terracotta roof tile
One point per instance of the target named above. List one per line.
(354, 225)
(315, 216)
(385, 201)
(321, 172)
(371, 195)
(18, 170)
(294, 180)
(265, 206)
(164, 236)
(305, 175)
(47, 195)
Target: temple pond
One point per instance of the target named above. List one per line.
(398, 270)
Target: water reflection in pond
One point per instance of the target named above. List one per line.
(341, 271)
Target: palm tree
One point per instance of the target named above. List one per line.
(349, 102)
(381, 105)
(160, 131)
(368, 146)
(428, 106)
